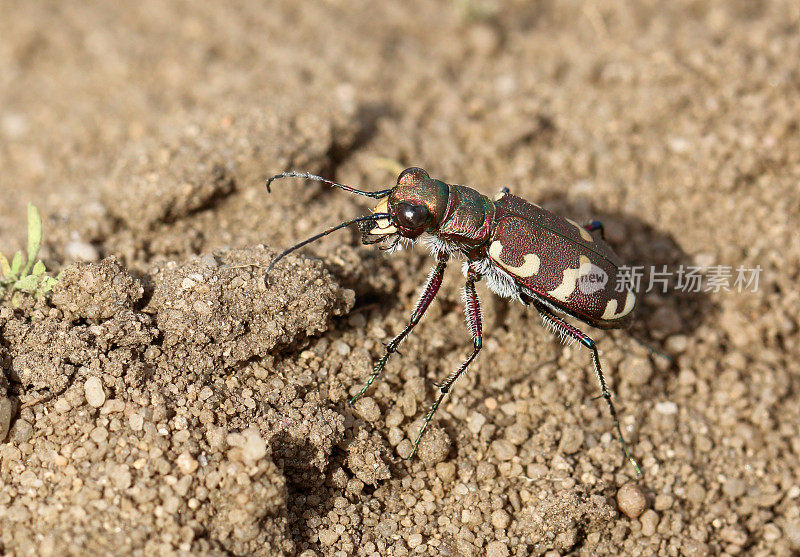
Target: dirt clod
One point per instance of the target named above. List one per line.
(96, 290)
(226, 314)
(368, 459)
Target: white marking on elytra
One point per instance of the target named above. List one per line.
(499, 195)
(611, 314)
(571, 276)
(584, 233)
(529, 267)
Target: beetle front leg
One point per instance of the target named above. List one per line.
(567, 330)
(472, 309)
(425, 299)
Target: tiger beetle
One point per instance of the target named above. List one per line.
(522, 251)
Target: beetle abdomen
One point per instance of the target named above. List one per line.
(559, 261)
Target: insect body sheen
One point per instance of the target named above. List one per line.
(521, 250)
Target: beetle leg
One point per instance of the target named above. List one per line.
(472, 310)
(596, 225)
(567, 330)
(425, 299)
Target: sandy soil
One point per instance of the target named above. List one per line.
(164, 400)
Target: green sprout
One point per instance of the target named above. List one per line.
(27, 274)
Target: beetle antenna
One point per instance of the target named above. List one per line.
(284, 253)
(307, 176)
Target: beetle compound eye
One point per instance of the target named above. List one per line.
(411, 217)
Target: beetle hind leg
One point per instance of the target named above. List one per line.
(472, 311)
(565, 330)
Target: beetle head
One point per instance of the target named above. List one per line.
(416, 204)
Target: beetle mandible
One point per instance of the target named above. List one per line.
(523, 252)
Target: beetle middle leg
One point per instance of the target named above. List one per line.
(568, 331)
(425, 299)
(596, 225)
(472, 310)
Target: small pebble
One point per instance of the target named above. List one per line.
(434, 447)
(694, 548)
(254, 447)
(476, 422)
(792, 532)
(667, 408)
(503, 449)
(113, 405)
(395, 436)
(77, 250)
(208, 260)
(735, 535)
(21, 431)
(136, 422)
(99, 435)
(485, 471)
(368, 409)
(518, 434)
(696, 494)
(636, 370)
(663, 502)
(734, 487)
(186, 463)
(676, 344)
(404, 448)
(772, 532)
(93, 391)
(6, 413)
(414, 540)
(500, 519)
(649, 522)
(571, 440)
(446, 471)
(394, 418)
(342, 347)
(497, 549)
(328, 537)
(631, 500)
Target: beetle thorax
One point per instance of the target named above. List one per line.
(468, 219)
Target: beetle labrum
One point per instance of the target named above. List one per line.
(523, 252)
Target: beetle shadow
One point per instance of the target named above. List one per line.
(664, 306)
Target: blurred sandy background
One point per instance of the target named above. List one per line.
(146, 132)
